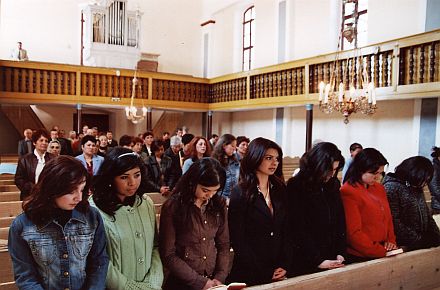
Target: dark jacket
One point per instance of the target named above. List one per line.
(25, 174)
(176, 169)
(193, 244)
(317, 221)
(260, 240)
(159, 174)
(413, 225)
(23, 147)
(434, 186)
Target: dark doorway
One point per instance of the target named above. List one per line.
(93, 120)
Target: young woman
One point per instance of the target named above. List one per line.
(316, 211)
(224, 151)
(59, 241)
(413, 224)
(370, 231)
(258, 217)
(30, 165)
(130, 223)
(198, 148)
(194, 234)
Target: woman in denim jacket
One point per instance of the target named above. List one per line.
(130, 222)
(59, 242)
(224, 151)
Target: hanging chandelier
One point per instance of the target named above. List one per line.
(358, 95)
(131, 111)
(348, 90)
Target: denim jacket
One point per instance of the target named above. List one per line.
(50, 257)
(232, 175)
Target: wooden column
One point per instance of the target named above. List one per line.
(209, 125)
(309, 125)
(78, 118)
(149, 119)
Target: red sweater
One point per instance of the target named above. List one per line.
(368, 218)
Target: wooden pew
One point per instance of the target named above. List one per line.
(9, 196)
(6, 271)
(413, 270)
(10, 208)
(6, 221)
(289, 165)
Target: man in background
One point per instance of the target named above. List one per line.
(19, 53)
(25, 145)
(355, 148)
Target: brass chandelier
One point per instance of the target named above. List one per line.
(131, 111)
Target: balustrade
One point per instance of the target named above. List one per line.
(416, 60)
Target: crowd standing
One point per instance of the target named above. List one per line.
(229, 214)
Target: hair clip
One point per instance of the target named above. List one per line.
(129, 154)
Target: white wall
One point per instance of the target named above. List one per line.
(50, 31)
(393, 129)
(312, 29)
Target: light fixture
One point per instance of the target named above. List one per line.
(131, 111)
(357, 94)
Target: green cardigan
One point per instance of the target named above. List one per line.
(132, 247)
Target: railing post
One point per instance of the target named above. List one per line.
(306, 79)
(248, 88)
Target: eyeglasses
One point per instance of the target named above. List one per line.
(54, 147)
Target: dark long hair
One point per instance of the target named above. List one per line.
(60, 176)
(316, 163)
(206, 172)
(368, 160)
(219, 152)
(416, 171)
(116, 162)
(250, 163)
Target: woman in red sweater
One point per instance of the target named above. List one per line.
(370, 231)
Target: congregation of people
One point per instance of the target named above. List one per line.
(230, 214)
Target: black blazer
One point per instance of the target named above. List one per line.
(317, 223)
(23, 148)
(260, 240)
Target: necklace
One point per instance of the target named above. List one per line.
(266, 196)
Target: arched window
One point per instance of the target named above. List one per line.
(354, 18)
(248, 37)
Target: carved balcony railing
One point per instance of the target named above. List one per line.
(403, 68)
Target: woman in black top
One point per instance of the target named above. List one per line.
(258, 217)
(316, 211)
(413, 224)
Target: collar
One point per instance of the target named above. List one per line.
(38, 156)
(76, 215)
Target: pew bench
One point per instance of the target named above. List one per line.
(412, 270)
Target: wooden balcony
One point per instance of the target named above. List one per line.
(402, 68)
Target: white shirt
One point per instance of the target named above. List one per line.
(40, 164)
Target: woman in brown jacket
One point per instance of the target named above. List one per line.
(194, 234)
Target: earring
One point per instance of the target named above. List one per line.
(110, 185)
